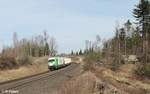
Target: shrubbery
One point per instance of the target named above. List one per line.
(7, 62)
(24, 60)
(91, 59)
(114, 66)
(88, 66)
(143, 70)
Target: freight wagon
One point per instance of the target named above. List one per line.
(58, 62)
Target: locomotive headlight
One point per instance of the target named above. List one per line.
(50, 64)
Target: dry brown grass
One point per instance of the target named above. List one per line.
(122, 80)
(8, 62)
(102, 80)
(83, 84)
(88, 83)
(39, 65)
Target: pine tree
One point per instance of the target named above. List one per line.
(142, 14)
(72, 53)
(46, 49)
(80, 52)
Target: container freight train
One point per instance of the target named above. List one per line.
(58, 62)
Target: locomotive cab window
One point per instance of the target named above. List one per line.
(52, 60)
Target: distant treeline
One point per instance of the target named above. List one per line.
(40, 45)
(22, 51)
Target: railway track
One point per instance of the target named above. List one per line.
(33, 84)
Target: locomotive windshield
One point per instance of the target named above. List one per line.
(52, 60)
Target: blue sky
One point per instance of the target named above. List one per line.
(71, 22)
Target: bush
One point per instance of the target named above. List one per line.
(24, 60)
(93, 57)
(143, 70)
(88, 66)
(91, 60)
(114, 66)
(7, 62)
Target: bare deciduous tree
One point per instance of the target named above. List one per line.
(52, 46)
(15, 43)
